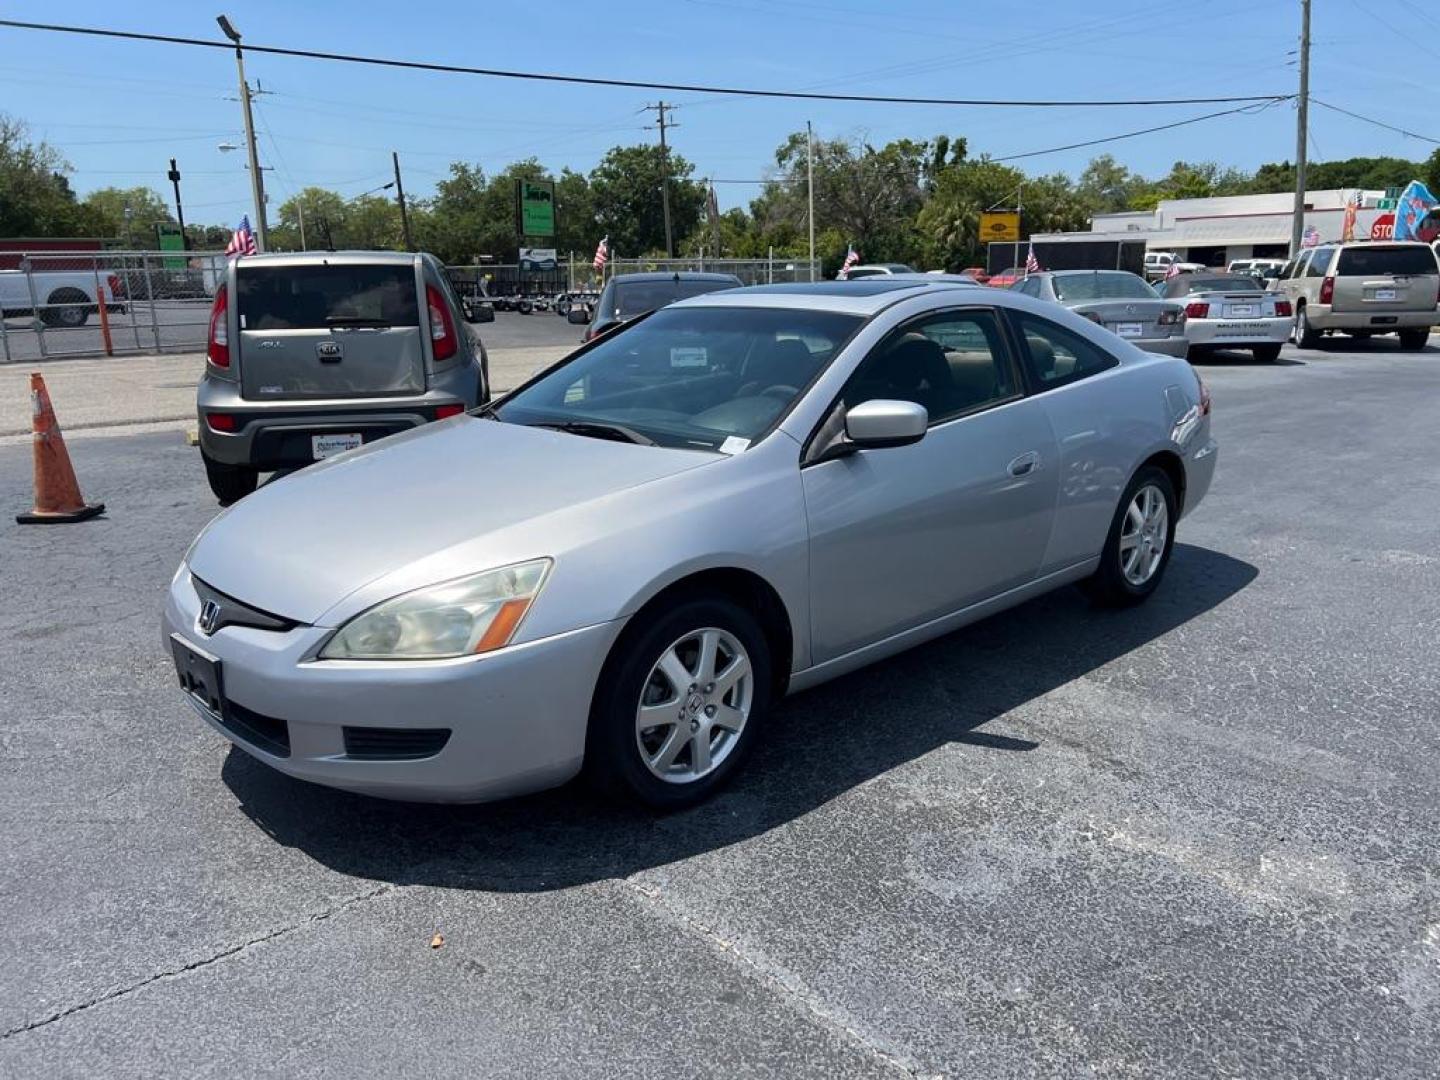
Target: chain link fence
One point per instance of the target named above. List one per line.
(62, 304)
(59, 304)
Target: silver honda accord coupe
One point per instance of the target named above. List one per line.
(622, 565)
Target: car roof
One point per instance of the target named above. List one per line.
(955, 279)
(672, 275)
(313, 258)
(1096, 270)
(863, 297)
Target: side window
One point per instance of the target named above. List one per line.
(951, 363)
(1319, 262)
(1057, 356)
(1288, 270)
(1031, 287)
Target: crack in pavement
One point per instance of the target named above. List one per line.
(783, 983)
(172, 973)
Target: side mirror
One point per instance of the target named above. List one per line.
(883, 423)
(577, 315)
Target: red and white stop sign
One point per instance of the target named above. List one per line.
(1384, 228)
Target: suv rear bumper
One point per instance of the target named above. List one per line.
(1325, 317)
(276, 435)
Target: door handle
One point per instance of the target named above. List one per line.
(1025, 464)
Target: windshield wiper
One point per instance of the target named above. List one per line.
(356, 320)
(597, 430)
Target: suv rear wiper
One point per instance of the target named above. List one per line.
(596, 430)
(357, 320)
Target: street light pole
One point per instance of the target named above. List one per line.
(1302, 133)
(174, 177)
(810, 189)
(257, 181)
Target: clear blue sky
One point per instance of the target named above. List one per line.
(118, 110)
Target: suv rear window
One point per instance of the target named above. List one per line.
(1360, 261)
(319, 297)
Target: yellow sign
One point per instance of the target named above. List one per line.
(1001, 225)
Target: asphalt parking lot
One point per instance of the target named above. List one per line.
(1194, 838)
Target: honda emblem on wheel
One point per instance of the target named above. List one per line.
(209, 617)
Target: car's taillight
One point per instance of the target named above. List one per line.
(1198, 310)
(1092, 316)
(1327, 291)
(1204, 395)
(113, 281)
(218, 343)
(1282, 307)
(220, 421)
(443, 339)
(442, 411)
(1169, 318)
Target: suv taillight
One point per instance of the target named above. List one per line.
(113, 280)
(1198, 310)
(443, 339)
(1282, 307)
(1327, 291)
(217, 347)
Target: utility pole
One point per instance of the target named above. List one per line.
(300, 210)
(174, 177)
(257, 180)
(1302, 132)
(400, 198)
(810, 188)
(659, 110)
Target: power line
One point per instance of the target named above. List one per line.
(1377, 123)
(1143, 131)
(631, 84)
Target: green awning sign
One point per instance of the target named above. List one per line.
(170, 238)
(535, 207)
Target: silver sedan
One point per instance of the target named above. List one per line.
(1117, 300)
(621, 566)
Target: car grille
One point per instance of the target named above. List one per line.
(232, 612)
(394, 744)
(263, 732)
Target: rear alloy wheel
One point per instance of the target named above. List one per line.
(1414, 339)
(1305, 335)
(679, 704)
(230, 483)
(1266, 354)
(1142, 535)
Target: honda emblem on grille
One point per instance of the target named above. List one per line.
(209, 617)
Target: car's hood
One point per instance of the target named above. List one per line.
(300, 545)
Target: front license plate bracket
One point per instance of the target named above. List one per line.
(199, 674)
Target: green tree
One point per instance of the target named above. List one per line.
(949, 223)
(1108, 187)
(626, 189)
(35, 197)
(1430, 172)
(128, 213)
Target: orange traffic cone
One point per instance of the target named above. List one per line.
(57, 495)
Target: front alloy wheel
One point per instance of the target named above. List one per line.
(680, 702)
(694, 705)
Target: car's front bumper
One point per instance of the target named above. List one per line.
(1238, 333)
(517, 717)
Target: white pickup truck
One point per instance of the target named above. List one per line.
(59, 297)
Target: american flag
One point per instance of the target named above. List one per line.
(602, 255)
(1174, 270)
(242, 241)
(851, 258)
(1032, 264)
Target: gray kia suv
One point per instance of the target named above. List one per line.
(316, 353)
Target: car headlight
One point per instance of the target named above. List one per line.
(469, 615)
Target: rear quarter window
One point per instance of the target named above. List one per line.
(1411, 261)
(317, 297)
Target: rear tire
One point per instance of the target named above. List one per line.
(70, 316)
(230, 483)
(1414, 340)
(1129, 568)
(626, 760)
(1306, 336)
(1194, 353)
(1266, 354)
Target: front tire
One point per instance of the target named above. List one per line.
(1142, 536)
(1414, 340)
(230, 483)
(680, 704)
(1266, 354)
(1306, 336)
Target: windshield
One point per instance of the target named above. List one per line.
(634, 298)
(688, 377)
(1100, 286)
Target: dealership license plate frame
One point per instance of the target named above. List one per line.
(1241, 311)
(1130, 329)
(1385, 294)
(329, 445)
